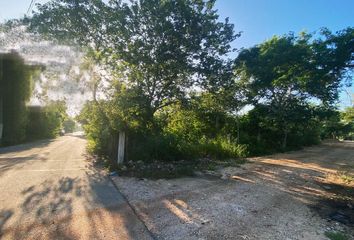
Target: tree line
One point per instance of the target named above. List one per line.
(166, 78)
(20, 122)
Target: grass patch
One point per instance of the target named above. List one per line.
(336, 236)
(347, 178)
(163, 170)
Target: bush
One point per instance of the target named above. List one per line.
(158, 146)
(194, 130)
(336, 236)
(101, 137)
(170, 147)
(222, 148)
(16, 87)
(47, 121)
(69, 125)
(179, 134)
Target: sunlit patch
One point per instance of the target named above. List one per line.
(242, 179)
(177, 212)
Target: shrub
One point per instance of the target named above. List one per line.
(336, 236)
(222, 148)
(47, 121)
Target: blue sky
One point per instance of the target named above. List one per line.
(261, 19)
(257, 19)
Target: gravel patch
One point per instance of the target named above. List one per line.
(260, 200)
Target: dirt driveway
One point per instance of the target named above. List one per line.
(297, 195)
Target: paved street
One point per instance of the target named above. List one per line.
(50, 191)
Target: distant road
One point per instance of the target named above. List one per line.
(50, 191)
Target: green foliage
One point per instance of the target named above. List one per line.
(16, 87)
(336, 236)
(22, 123)
(159, 46)
(102, 139)
(260, 131)
(336, 124)
(347, 177)
(180, 132)
(47, 121)
(159, 49)
(347, 119)
(69, 125)
(284, 74)
(348, 115)
(222, 148)
(169, 147)
(156, 52)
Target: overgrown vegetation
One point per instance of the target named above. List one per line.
(336, 236)
(346, 177)
(168, 81)
(48, 121)
(20, 122)
(16, 86)
(174, 169)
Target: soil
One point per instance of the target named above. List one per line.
(293, 195)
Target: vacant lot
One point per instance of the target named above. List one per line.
(297, 195)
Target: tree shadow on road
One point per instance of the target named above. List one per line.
(314, 176)
(5, 215)
(9, 159)
(85, 206)
(262, 197)
(26, 146)
(12, 163)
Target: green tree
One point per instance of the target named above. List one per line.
(159, 48)
(16, 85)
(348, 115)
(69, 125)
(46, 121)
(154, 53)
(286, 73)
(100, 135)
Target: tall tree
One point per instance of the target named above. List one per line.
(160, 48)
(286, 73)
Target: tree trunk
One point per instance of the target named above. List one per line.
(126, 156)
(238, 129)
(285, 138)
(217, 123)
(258, 136)
(121, 148)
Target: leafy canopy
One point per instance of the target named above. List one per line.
(161, 49)
(286, 74)
(291, 67)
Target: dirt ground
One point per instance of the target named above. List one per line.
(295, 195)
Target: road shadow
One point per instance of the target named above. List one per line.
(316, 175)
(335, 156)
(9, 163)
(78, 207)
(5, 215)
(26, 146)
(258, 200)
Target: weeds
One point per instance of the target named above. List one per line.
(336, 236)
(347, 178)
(182, 168)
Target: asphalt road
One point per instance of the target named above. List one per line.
(49, 190)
